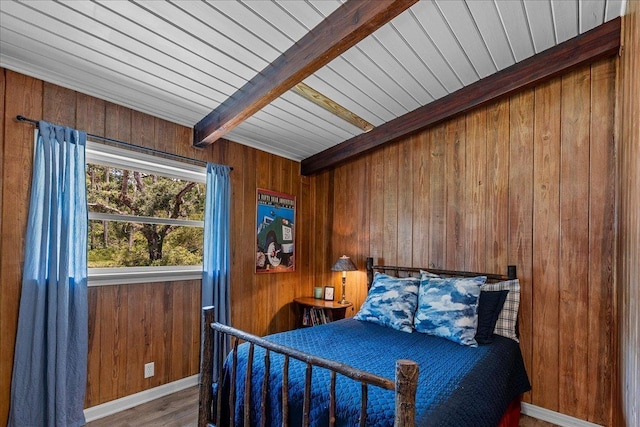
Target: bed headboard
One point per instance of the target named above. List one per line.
(415, 272)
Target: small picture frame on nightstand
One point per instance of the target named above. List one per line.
(328, 293)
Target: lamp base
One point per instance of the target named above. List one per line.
(344, 301)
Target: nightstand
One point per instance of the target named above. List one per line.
(312, 311)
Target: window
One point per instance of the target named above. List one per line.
(145, 217)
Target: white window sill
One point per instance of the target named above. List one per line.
(131, 275)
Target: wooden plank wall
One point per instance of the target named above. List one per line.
(629, 241)
(138, 323)
(528, 180)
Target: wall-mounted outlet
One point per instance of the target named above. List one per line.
(149, 369)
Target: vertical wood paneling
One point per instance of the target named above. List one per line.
(454, 183)
(601, 241)
(521, 209)
(136, 327)
(421, 198)
(376, 206)
(546, 246)
(437, 190)
(59, 105)
(476, 190)
(23, 95)
(390, 205)
(574, 242)
(628, 267)
(405, 203)
(498, 185)
(242, 219)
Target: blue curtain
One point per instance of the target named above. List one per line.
(215, 275)
(50, 362)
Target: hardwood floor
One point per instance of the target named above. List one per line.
(180, 409)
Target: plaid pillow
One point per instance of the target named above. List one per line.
(506, 324)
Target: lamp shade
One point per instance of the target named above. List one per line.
(344, 263)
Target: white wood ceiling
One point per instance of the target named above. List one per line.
(178, 60)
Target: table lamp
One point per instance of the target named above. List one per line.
(344, 264)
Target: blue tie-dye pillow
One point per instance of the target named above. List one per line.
(447, 308)
(391, 302)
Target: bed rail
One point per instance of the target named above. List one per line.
(404, 385)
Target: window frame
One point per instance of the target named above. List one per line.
(108, 155)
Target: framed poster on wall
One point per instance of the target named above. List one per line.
(275, 232)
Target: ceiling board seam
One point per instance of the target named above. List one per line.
(455, 37)
(553, 23)
(444, 88)
(383, 71)
(424, 30)
(101, 65)
(168, 40)
(203, 41)
(529, 30)
(134, 53)
(484, 41)
(504, 29)
(349, 64)
(401, 65)
(269, 23)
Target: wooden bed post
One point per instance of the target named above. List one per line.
(206, 368)
(406, 384)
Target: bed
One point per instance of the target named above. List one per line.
(358, 372)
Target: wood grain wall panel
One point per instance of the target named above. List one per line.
(23, 95)
(602, 190)
(524, 193)
(375, 193)
(454, 190)
(92, 394)
(521, 208)
(628, 244)
(546, 246)
(437, 191)
(405, 203)
(390, 205)
(475, 190)
(137, 328)
(262, 291)
(574, 243)
(242, 291)
(59, 105)
(90, 114)
(498, 182)
(421, 197)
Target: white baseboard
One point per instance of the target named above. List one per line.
(114, 406)
(554, 417)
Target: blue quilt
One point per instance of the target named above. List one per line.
(458, 386)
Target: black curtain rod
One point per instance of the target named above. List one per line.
(126, 144)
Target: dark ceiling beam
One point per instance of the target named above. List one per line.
(345, 27)
(600, 42)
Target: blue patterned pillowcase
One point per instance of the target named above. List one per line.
(447, 307)
(391, 302)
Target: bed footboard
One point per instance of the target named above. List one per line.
(404, 385)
